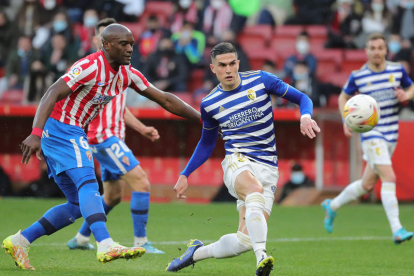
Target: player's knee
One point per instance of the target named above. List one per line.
(140, 182)
(75, 212)
(390, 177)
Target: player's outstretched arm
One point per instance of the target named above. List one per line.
(202, 152)
(404, 95)
(146, 131)
(343, 98)
(171, 103)
(55, 93)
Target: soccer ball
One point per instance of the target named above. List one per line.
(361, 113)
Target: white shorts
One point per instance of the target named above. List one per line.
(267, 175)
(378, 152)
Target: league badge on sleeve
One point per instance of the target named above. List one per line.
(74, 72)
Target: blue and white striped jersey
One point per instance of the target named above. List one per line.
(245, 115)
(381, 86)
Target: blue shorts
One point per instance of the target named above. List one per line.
(115, 157)
(65, 147)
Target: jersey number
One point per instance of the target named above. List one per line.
(116, 148)
(84, 144)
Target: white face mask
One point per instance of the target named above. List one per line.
(377, 7)
(302, 47)
(49, 4)
(185, 4)
(217, 4)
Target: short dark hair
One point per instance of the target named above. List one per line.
(269, 63)
(152, 17)
(304, 33)
(223, 48)
(302, 62)
(375, 36)
(297, 167)
(104, 23)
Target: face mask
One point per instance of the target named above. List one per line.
(409, 5)
(185, 34)
(377, 7)
(49, 4)
(185, 4)
(20, 53)
(217, 4)
(90, 21)
(60, 26)
(297, 178)
(302, 47)
(300, 76)
(167, 52)
(394, 46)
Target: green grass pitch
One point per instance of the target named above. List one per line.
(360, 244)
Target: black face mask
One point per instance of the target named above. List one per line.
(167, 52)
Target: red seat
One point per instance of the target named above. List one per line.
(258, 57)
(257, 36)
(353, 60)
(136, 28)
(12, 96)
(317, 31)
(163, 10)
(338, 79)
(196, 80)
(210, 173)
(288, 31)
(333, 101)
(328, 62)
(161, 171)
(283, 47)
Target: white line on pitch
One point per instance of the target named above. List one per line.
(366, 238)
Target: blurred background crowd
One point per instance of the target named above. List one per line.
(311, 44)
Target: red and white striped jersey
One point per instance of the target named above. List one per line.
(110, 122)
(94, 84)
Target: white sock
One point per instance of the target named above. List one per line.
(25, 242)
(140, 241)
(390, 203)
(352, 192)
(227, 246)
(256, 224)
(81, 239)
(104, 244)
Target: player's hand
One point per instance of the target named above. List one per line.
(347, 131)
(151, 133)
(308, 127)
(181, 187)
(29, 146)
(401, 95)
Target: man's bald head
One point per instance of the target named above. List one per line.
(115, 31)
(117, 42)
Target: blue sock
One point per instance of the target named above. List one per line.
(139, 212)
(85, 230)
(90, 201)
(53, 220)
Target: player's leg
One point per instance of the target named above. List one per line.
(111, 197)
(390, 203)
(140, 201)
(54, 219)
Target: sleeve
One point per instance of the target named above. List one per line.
(273, 84)
(138, 81)
(208, 121)
(80, 74)
(405, 79)
(350, 87)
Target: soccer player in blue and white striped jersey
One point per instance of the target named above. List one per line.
(385, 81)
(241, 106)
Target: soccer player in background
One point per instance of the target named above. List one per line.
(241, 106)
(67, 107)
(384, 81)
(106, 135)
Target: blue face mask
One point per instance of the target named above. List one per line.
(90, 21)
(20, 53)
(297, 178)
(409, 5)
(60, 26)
(301, 76)
(394, 46)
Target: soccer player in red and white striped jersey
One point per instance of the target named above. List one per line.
(106, 135)
(75, 99)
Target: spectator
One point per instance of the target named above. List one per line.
(242, 10)
(270, 66)
(394, 45)
(403, 20)
(190, 43)
(150, 37)
(7, 33)
(19, 63)
(217, 19)
(302, 54)
(345, 26)
(61, 26)
(30, 16)
(166, 70)
(298, 180)
(184, 10)
(310, 12)
(376, 19)
(318, 92)
(87, 32)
